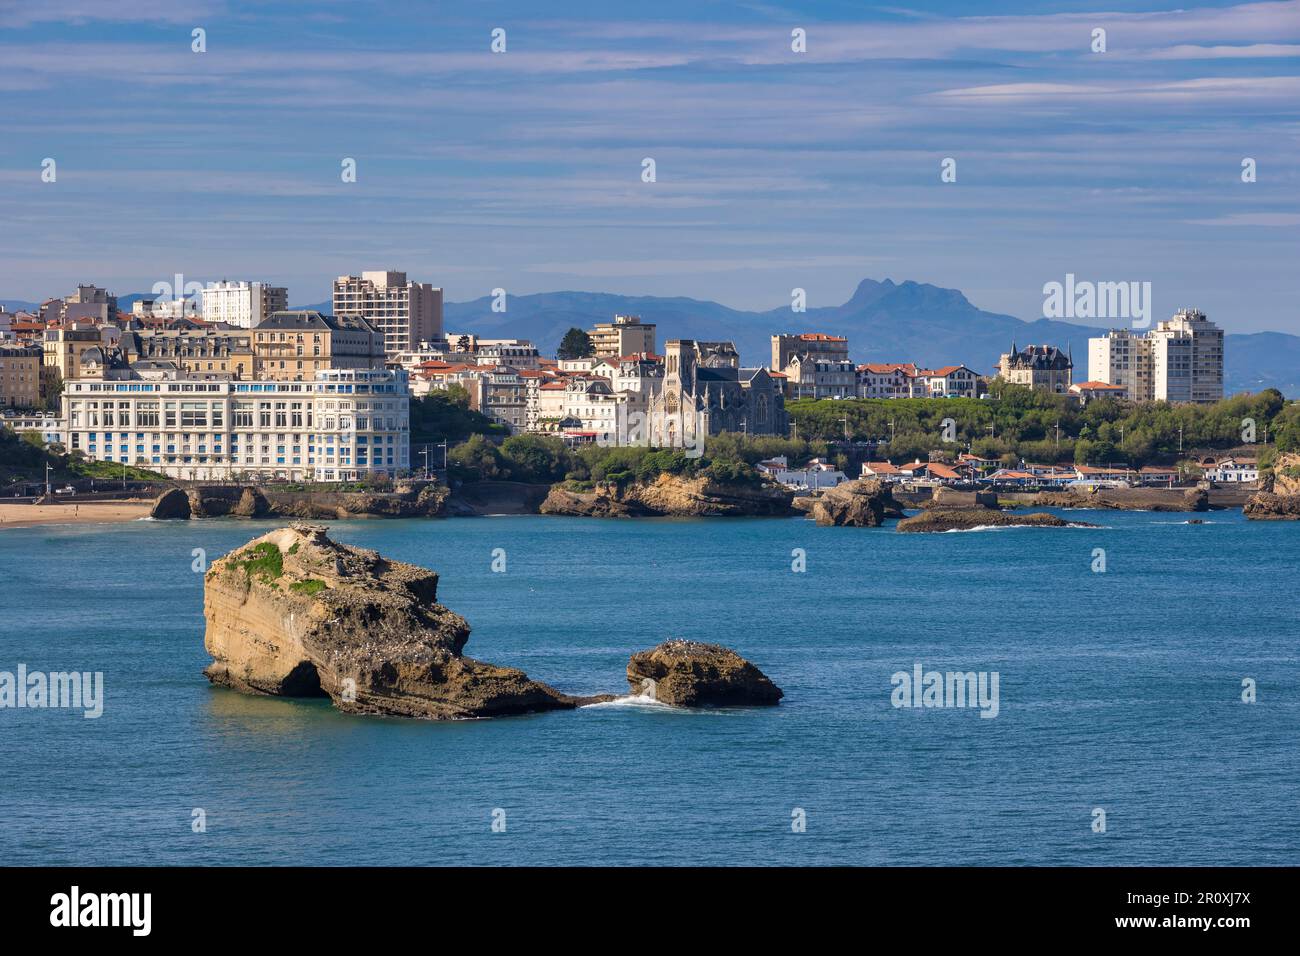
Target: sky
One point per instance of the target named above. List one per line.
(773, 169)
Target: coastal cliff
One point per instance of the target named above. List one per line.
(296, 614)
(1279, 500)
(671, 496)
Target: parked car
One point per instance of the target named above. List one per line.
(65, 490)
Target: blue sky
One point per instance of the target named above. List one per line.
(774, 169)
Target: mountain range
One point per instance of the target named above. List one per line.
(884, 321)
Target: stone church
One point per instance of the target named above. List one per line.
(705, 392)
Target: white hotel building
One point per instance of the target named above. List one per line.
(345, 425)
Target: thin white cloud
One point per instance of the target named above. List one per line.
(1274, 219)
(1247, 51)
(16, 14)
(1255, 89)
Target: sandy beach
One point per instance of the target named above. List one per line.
(89, 512)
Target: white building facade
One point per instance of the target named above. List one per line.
(243, 304)
(345, 425)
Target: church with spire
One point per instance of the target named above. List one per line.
(706, 391)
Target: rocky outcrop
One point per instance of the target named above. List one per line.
(1127, 499)
(251, 504)
(409, 500)
(966, 519)
(1266, 506)
(864, 503)
(669, 495)
(691, 674)
(172, 505)
(294, 613)
(1280, 498)
(1285, 478)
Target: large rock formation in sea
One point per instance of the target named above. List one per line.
(864, 503)
(669, 495)
(692, 674)
(1127, 499)
(295, 613)
(966, 519)
(1279, 498)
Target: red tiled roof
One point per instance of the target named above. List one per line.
(888, 367)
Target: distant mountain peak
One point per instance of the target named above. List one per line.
(906, 296)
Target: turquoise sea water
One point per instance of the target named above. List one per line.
(1119, 690)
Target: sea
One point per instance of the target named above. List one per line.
(1147, 711)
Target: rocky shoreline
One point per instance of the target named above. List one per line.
(1279, 499)
(296, 614)
(860, 503)
(669, 496)
(417, 499)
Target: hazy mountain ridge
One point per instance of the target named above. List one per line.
(884, 321)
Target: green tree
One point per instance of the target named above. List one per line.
(536, 458)
(476, 460)
(576, 344)
(446, 415)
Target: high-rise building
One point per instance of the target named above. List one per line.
(1122, 358)
(243, 304)
(405, 313)
(1180, 360)
(1192, 343)
(626, 335)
